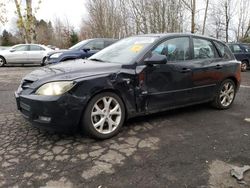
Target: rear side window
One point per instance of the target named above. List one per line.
(203, 49)
(35, 48)
(108, 42)
(223, 50)
(176, 49)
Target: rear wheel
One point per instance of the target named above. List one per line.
(2, 61)
(225, 95)
(244, 65)
(43, 61)
(104, 116)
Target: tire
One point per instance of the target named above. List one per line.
(98, 120)
(43, 62)
(225, 95)
(2, 61)
(244, 65)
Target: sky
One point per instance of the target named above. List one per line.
(73, 10)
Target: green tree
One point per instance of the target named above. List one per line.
(6, 38)
(73, 38)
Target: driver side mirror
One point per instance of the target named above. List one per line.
(86, 49)
(156, 59)
(12, 50)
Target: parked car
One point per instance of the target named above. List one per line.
(83, 49)
(242, 53)
(24, 54)
(136, 76)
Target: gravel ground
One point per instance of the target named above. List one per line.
(190, 147)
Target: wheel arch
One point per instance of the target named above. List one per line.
(112, 90)
(234, 79)
(246, 60)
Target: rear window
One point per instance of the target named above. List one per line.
(223, 50)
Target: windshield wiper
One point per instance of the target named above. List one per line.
(95, 59)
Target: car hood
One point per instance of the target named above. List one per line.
(72, 70)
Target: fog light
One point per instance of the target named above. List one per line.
(45, 119)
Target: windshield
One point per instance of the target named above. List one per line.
(79, 45)
(124, 51)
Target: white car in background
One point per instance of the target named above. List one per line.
(24, 54)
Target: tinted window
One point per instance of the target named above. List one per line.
(79, 45)
(21, 48)
(36, 48)
(236, 48)
(223, 50)
(176, 49)
(247, 48)
(108, 42)
(95, 45)
(203, 49)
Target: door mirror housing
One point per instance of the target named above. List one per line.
(12, 50)
(86, 49)
(156, 59)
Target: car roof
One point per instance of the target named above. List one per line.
(165, 35)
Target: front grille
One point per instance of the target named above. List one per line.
(26, 84)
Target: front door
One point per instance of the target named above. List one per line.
(170, 84)
(18, 54)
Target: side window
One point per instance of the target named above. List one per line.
(21, 48)
(236, 48)
(35, 48)
(223, 50)
(108, 42)
(247, 48)
(176, 49)
(203, 49)
(95, 45)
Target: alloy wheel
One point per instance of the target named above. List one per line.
(227, 94)
(243, 66)
(106, 115)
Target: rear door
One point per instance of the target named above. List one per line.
(36, 53)
(207, 69)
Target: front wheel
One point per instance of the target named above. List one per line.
(104, 116)
(244, 65)
(225, 95)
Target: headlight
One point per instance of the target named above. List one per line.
(55, 88)
(56, 55)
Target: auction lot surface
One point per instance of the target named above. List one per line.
(191, 147)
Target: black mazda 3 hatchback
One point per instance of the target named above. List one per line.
(136, 76)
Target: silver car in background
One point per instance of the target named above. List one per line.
(24, 54)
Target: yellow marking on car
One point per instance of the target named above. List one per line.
(136, 48)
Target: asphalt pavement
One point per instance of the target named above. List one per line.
(189, 147)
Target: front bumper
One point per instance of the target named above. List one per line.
(51, 61)
(58, 113)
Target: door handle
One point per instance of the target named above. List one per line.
(185, 70)
(218, 66)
